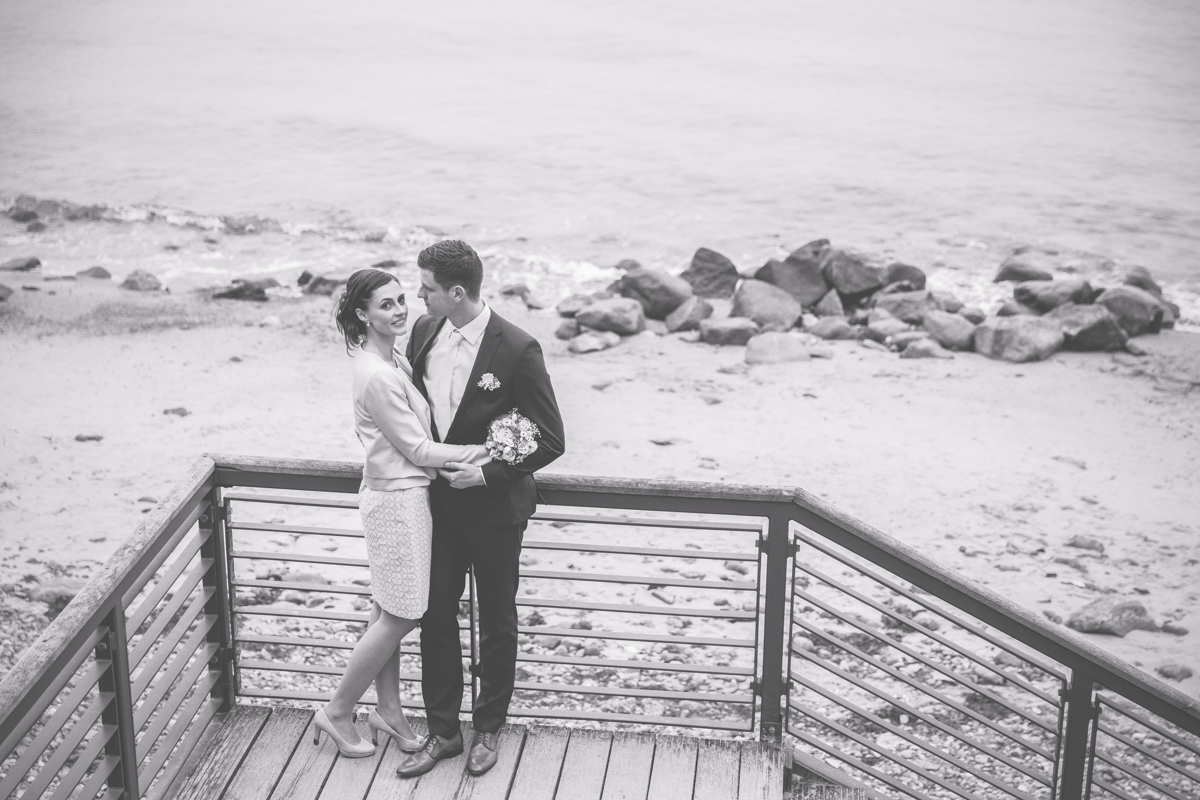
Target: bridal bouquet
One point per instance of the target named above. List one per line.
(512, 437)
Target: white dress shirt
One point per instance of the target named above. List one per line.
(448, 367)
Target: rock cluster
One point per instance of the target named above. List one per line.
(836, 293)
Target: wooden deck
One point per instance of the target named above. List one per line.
(261, 753)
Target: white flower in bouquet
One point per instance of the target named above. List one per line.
(512, 438)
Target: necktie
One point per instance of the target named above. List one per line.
(456, 340)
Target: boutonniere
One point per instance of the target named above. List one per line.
(488, 382)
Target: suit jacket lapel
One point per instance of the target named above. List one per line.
(483, 359)
(418, 363)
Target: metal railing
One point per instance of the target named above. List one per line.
(738, 610)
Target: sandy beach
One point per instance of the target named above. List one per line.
(988, 467)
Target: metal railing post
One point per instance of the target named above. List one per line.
(772, 680)
(115, 648)
(221, 604)
(1074, 754)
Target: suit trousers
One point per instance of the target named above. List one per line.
(493, 552)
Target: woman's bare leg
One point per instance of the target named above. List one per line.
(379, 646)
(387, 690)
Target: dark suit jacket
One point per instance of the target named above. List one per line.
(515, 359)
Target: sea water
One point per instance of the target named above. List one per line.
(567, 136)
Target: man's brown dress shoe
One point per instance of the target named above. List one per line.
(436, 748)
(483, 752)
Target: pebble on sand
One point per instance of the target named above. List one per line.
(1113, 615)
(1174, 672)
(20, 264)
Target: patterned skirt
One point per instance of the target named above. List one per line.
(399, 533)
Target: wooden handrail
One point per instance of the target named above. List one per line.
(71, 628)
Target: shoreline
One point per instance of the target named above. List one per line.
(988, 467)
(190, 251)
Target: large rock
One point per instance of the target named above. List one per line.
(899, 341)
(950, 330)
(1137, 311)
(621, 315)
(973, 313)
(1170, 314)
(908, 306)
(570, 306)
(769, 306)
(727, 330)
(141, 281)
(834, 328)
(925, 348)
(1027, 264)
(851, 274)
(898, 272)
(1141, 278)
(1113, 615)
(324, 284)
(243, 289)
(830, 305)
(523, 292)
(1018, 339)
(1011, 308)
(773, 347)
(568, 329)
(1044, 296)
(711, 274)
(5, 292)
(1089, 327)
(689, 315)
(20, 264)
(886, 325)
(658, 292)
(100, 273)
(800, 273)
(593, 342)
(944, 301)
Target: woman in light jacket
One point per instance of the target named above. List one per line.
(392, 421)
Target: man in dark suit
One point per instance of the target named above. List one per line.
(474, 366)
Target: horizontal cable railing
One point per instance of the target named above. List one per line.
(907, 695)
(618, 622)
(705, 606)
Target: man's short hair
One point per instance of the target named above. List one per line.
(453, 262)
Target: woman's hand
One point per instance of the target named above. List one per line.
(482, 456)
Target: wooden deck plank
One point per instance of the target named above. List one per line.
(269, 755)
(673, 773)
(387, 784)
(350, 778)
(761, 775)
(443, 780)
(225, 754)
(718, 764)
(306, 772)
(630, 760)
(541, 763)
(584, 765)
(495, 783)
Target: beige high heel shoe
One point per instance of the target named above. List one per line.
(321, 723)
(377, 724)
